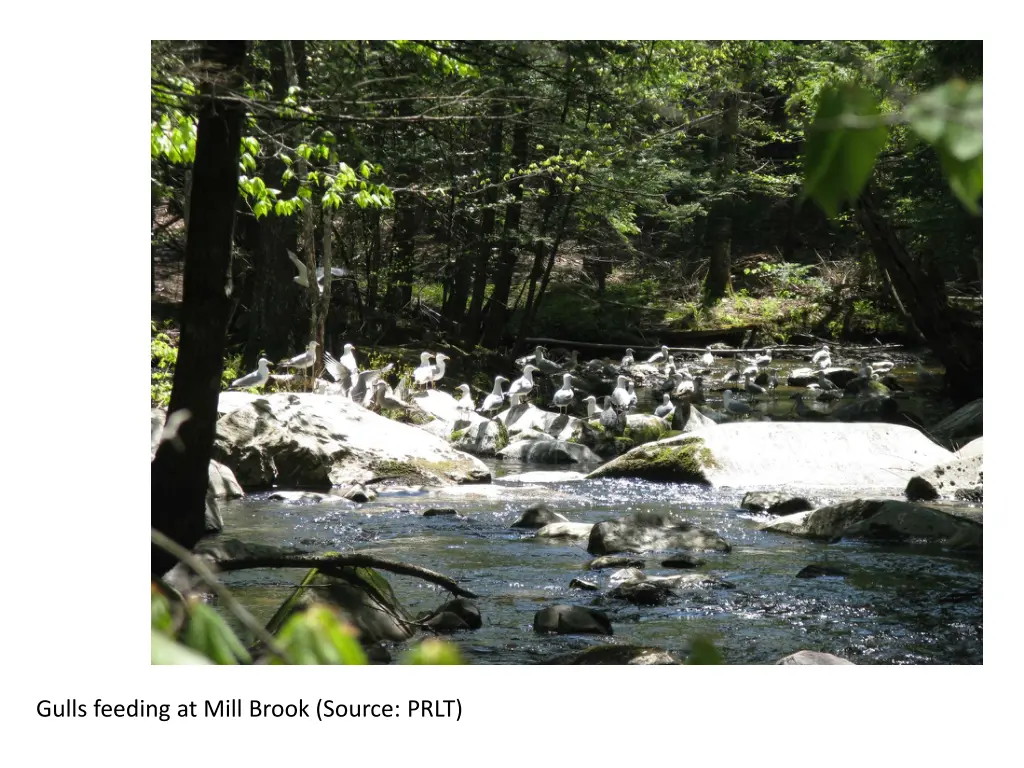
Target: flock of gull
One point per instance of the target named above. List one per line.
(748, 378)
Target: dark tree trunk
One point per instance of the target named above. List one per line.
(481, 270)
(532, 307)
(179, 479)
(955, 341)
(719, 279)
(497, 308)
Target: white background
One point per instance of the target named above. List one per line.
(75, 310)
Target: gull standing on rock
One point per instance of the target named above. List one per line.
(522, 386)
(752, 388)
(465, 402)
(425, 373)
(592, 409)
(610, 420)
(306, 360)
(437, 371)
(632, 394)
(383, 398)
(563, 397)
(627, 359)
(620, 397)
(342, 371)
(707, 359)
(257, 378)
(543, 364)
(763, 360)
(666, 408)
(494, 400)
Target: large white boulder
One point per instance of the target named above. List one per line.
(316, 441)
(771, 454)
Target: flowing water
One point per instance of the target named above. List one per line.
(905, 604)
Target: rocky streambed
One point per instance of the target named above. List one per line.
(622, 562)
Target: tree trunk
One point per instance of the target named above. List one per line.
(179, 479)
(497, 308)
(956, 342)
(532, 307)
(481, 271)
(719, 279)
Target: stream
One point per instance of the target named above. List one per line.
(898, 604)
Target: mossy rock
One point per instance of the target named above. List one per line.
(683, 462)
(503, 438)
(646, 434)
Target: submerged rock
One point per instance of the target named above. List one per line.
(682, 561)
(815, 570)
(812, 657)
(882, 519)
(589, 586)
(316, 441)
(571, 620)
(618, 655)
(614, 561)
(455, 615)
(440, 512)
(649, 532)
(643, 589)
(538, 516)
(549, 452)
(789, 453)
(544, 477)
(775, 503)
(564, 531)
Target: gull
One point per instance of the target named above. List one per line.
(494, 400)
(734, 406)
(465, 403)
(824, 383)
(383, 398)
(522, 386)
(425, 373)
(751, 387)
(306, 360)
(707, 359)
(171, 427)
(303, 277)
(257, 378)
(821, 354)
(631, 393)
(750, 370)
(620, 397)
(762, 360)
(666, 408)
(657, 357)
(437, 371)
(592, 409)
(363, 382)
(684, 371)
(685, 386)
(610, 419)
(627, 360)
(564, 396)
(543, 364)
(342, 371)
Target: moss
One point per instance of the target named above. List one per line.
(457, 434)
(503, 438)
(683, 461)
(648, 433)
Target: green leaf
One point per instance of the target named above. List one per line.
(160, 609)
(318, 636)
(843, 143)
(432, 651)
(949, 118)
(163, 650)
(209, 634)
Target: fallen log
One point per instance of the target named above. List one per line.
(779, 349)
